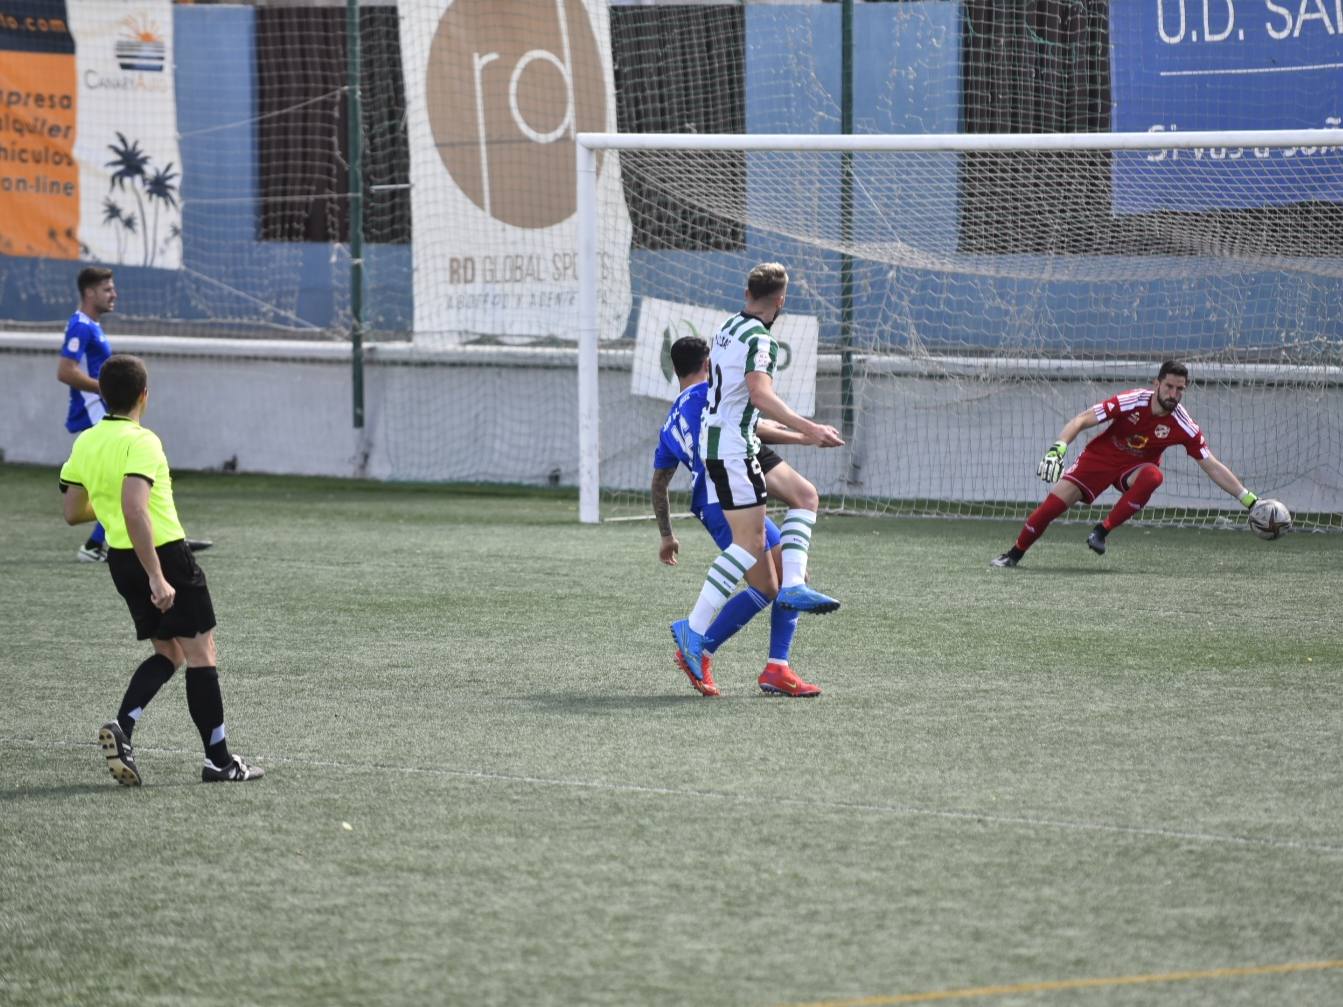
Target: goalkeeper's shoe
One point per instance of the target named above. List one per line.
(691, 647)
(233, 771)
(1096, 540)
(801, 598)
(704, 685)
(120, 755)
(781, 680)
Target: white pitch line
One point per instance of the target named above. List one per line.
(901, 810)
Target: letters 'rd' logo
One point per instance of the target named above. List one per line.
(509, 84)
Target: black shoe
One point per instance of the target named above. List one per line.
(1096, 540)
(1010, 558)
(120, 755)
(92, 554)
(199, 544)
(235, 771)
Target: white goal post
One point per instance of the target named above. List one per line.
(1052, 327)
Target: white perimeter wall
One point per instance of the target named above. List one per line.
(510, 415)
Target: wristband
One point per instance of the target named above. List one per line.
(1247, 499)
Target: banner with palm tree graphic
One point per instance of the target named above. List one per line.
(89, 164)
(129, 164)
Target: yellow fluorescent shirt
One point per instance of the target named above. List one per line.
(103, 457)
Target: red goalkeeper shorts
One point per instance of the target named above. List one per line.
(1093, 475)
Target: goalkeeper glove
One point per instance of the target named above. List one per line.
(1051, 465)
(1247, 499)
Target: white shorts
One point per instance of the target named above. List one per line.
(735, 483)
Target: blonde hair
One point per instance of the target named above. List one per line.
(766, 279)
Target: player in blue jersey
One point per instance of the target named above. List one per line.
(85, 341)
(678, 445)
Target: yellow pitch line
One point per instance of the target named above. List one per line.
(1077, 984)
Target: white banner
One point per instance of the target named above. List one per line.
(661, 323)
(495, 92)
(130, 209)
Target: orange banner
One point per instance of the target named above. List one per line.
(39, 177)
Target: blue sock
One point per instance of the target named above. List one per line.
(738, 611)
(98, 535)
(782, 626)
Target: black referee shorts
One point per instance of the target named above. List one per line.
(192, 612)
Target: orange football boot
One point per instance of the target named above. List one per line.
(706, 685)
(780, 680)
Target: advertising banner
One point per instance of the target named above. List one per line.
(661, 323)
(1220, 65)
(89, 165)
(495, 92)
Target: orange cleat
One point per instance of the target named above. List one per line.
(780, 680)
(706, 685)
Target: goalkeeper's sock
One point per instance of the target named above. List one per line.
(1144, 484)
(147, 680)
(782, 627)
(1050, 508)
(795, 541)
(739, 610)
(719, 583)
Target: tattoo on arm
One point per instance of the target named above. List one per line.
(661, 506)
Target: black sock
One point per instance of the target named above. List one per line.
(93, 543)
(206, 706)
(148, 679)
(1101, 530)
(1016, 553)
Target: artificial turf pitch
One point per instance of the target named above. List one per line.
(1082, 769)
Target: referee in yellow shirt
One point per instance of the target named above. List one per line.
(118, 474)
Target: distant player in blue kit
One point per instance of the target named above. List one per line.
(85, 340)
(678, 445)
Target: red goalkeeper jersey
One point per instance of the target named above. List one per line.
(1135, 435)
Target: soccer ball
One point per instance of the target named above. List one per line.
(1269, 518)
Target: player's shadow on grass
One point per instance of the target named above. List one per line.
(571, 702)
(58, 791)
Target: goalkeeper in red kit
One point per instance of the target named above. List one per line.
(1144, 422)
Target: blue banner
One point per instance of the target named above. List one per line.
(1182, 65)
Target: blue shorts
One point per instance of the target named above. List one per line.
(717, 527)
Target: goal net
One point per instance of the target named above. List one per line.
(956, 299)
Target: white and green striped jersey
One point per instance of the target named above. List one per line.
(741, 346)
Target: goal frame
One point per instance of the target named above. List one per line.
(587, 145)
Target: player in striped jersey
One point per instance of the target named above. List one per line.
(678, 445)
(742, 359)
(1144, 422)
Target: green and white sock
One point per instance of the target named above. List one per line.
(795, 539)
(719, 583)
